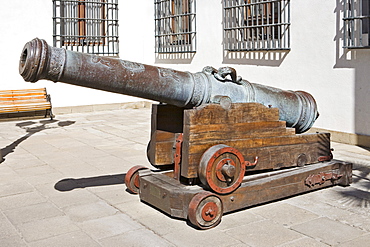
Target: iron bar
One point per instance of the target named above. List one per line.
(175, 29)
(256, 25)
(86, 25)
(356, 15)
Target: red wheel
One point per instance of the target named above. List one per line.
(222, 169)
(205, 210)
(132, 179)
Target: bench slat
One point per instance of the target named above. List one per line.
(23, 90)
(23, 102)
(4, 95)
(21, 98)
(24, 107)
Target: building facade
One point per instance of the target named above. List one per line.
(321, 47)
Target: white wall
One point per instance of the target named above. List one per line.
(316, 63)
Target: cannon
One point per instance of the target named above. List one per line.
(220, 143)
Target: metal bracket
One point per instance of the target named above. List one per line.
(326, 158)
(248, 164)
(177, 159)
(321, 178)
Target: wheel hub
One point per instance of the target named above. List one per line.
(209, 211)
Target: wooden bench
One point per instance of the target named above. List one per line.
(25, 103)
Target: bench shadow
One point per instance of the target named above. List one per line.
(32, 128)
(69, 184)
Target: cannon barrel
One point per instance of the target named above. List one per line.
(184, 89)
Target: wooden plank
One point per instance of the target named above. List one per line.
(238, 113)
(25, 106)
(285, 185)
(22, 94)
(220, 132)
(167, 118)
(17, 109)
(28, 102)
(164, 154)
(23, 91)
(161, 148)
(252, 192)
(281, 154)
(277, 157)
(258, 142)
(25, 101)
(41, 97)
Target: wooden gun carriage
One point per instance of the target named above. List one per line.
(219, 143)
(228, 158)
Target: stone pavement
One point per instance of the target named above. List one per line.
(61, 184)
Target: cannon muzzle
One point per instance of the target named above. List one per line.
(184, 89)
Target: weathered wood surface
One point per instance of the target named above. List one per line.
(172, 197)
(254, 130)
(161, 149)
(238, 113)
(167, 120)
(286, 184)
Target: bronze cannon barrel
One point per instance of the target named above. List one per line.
(184, 89)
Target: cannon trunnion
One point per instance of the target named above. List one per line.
(219, 143)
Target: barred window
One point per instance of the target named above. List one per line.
(251, 25)
(356, 19)
(89, 26)
(175, 26)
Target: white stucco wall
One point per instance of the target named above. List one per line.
(316, 62)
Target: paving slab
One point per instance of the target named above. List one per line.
(32, 212)
(328, 231)
(141, 237)
(63, 199)
(360, 241)
(46, 228)
(6, 228)
(109, 226)
(115, 197)
(84, 212)
(191, 237)
(304, 242)
(13, 241)
(21, 200)
(284, 214)
(14, 187)
(40, 170)
(263, 233)
(73, 239)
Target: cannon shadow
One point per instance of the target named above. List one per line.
(69, 184)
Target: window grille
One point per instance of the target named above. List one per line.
(175, 26)
(356, 19)
(252, 25)
(89, 26)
